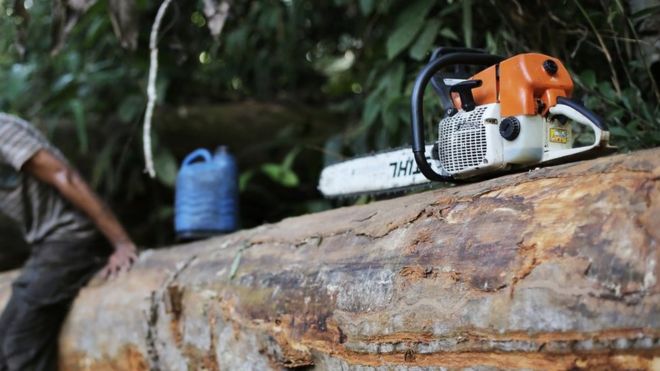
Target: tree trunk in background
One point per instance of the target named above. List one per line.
(266, 130)
(259, 126)
(555, 268)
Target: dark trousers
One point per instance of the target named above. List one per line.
(40, 300)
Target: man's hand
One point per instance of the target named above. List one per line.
(121, 260)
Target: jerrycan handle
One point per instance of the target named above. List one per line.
(202, 153)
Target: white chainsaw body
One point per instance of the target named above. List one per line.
(469, 145)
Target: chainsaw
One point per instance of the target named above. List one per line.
(513, 114)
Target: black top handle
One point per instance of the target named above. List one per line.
(445, 60)
(457, 71)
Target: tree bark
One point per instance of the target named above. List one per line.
(555, 268)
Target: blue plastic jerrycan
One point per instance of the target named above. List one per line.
(206, 200)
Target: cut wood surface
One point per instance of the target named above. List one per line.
(555, 268)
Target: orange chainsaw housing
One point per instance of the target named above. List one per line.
(519, 83)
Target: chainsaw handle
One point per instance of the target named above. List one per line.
(581, 115)
(417, 103)
(459, 72)
(584, 111)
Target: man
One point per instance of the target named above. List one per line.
(60, 217)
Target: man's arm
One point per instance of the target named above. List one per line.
(51, 170)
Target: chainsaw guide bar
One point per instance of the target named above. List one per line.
(390, 171)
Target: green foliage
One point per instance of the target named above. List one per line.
(283, 173)
(407, 26)
(355, 58)
(89, 98)
(425, 41)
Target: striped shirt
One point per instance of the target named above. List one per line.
(39, 210)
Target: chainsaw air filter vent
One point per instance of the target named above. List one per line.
(462, 142)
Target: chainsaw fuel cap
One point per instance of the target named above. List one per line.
(550, 67)
(510, 128)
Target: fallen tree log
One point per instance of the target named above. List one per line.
(556, 268)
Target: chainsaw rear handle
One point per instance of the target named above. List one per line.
(579, 108)
(417, 103)
(581, 115)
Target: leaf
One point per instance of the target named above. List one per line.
(612, 13)
(445, 11)
(384, 6)
(409, 23)
(588, 78)
(362, 200)
(290, 179)
(394, 81)
(390, 118)
(367, 6)
(235, 263)
(166, 167)
(237, 39)
(103, 163)
(449, 34)
(316, 206)
(645, 12)
(606, 89)
(94, 31)
(371, 108)
(491, 44)
(620, 132)
(633, 126)
(467, 22)
(382, 140)
(62, 83)
(130, 108)
(400, 39)
(617, 114)
(78, 111)
(280, 174)
(19, 75)
(425, 40)
(626, 102)
(161, 87)
(244, 179)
